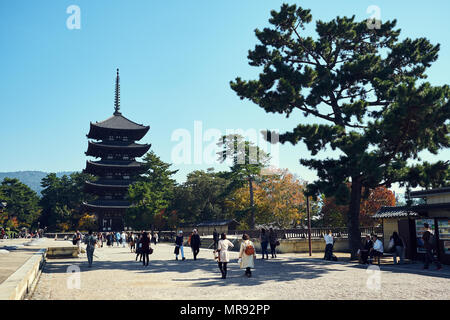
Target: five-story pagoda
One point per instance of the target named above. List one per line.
(117, 168)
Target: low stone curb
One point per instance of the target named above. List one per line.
(20, 282)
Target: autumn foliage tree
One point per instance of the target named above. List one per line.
(335, 215)
(285, 198)
(278, 200)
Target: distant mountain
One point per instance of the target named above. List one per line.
(31, 178)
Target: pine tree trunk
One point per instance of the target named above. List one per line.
(252, 205)
(354, 233)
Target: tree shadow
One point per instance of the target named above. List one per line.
(410, 268)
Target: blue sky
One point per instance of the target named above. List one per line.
(176, 59)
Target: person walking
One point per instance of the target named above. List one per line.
(156, 238)
(179, 246)
(264, 238)
(429, 242)
(145, 248)
(123, 239)
(224, 257)
(398, 248)
(110, 239)
(100, 240)
(139, 248)
(328, 245)
(118, 238)
(247, 255)
(132, 242)
(273, 242)
(90, 241)
(195, 243)
(215, 238)
(78, 237)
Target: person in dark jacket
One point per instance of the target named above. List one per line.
(139, 248)
(215, 238)
(179, 246)
(195, 243)
(273, 242)
(364, 252)
(264, 238)
(145, 248)
(429, 244)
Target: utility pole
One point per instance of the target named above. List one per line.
(309, 225)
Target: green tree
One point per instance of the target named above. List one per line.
(22, 203)
(247, 162)
(151, 193)
(366, 92)
(62, 199)
(201, 197)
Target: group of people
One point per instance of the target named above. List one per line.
(372, 247)
(119, 238)
(24, 234)
(193, 241)
(247, 254)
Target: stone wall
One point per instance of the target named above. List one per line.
(291, 245)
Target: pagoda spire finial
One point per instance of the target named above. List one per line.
(117, 95)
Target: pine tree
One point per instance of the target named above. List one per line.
(360, 91)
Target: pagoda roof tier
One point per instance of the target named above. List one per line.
(117, 125)
(96, 206)
(104, 166)
(101, 187)
(100, 149)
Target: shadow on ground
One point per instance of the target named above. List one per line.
(410, 268)
(265, 270)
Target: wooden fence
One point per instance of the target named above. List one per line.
(315, 232)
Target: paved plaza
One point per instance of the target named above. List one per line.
(116, 275)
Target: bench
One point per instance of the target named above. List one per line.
(62, 252)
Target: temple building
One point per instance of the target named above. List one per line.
(113, 141)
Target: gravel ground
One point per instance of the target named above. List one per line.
(116, 275)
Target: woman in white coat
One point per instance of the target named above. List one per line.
(224, 256)
(247, 255)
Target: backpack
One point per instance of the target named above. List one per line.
(249, 250)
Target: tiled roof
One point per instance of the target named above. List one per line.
(115, 163)
(119, 122)
(108, 204)
(424, 193)
(118, 144)
(395, 212)
(215, 223)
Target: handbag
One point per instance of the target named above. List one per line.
(216, 255)
(150, 250)
(176, 250)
